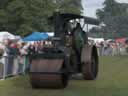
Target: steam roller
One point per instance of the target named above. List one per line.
(65, 54)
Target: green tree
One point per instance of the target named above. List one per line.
(69, 6)
(114, 16)
(25, 16)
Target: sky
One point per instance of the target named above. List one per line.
(90, 6)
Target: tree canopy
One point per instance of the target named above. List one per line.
(114, 16)
(22, 17)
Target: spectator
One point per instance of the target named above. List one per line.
(7, 50)
(31, 49)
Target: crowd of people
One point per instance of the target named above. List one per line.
(112, 48)
(9, 47)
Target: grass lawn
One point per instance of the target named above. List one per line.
(112, 81)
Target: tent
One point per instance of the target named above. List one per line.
(6, 35)
(96, 39)
(36, 36)
(120, 40)
(50, 34)
(110, 40)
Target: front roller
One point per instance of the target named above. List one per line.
(89, 60)
(48, 73)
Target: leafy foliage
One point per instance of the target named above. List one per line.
(22, 17)
(114, 16)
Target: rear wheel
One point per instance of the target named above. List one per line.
(89, 69)
(89, 63)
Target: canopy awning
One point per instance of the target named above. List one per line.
(36, 36)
